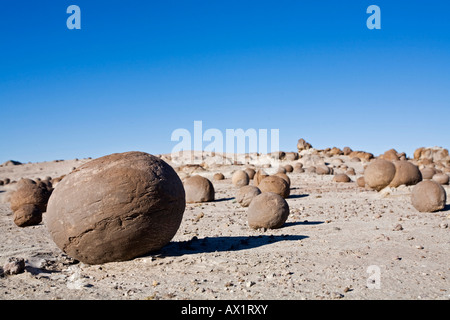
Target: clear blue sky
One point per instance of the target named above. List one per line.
(138, 70)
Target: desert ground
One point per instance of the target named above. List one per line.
(336, 235)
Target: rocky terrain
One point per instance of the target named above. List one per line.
(340, 240)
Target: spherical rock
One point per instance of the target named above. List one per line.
(198, 189)
(267, 210)
(259, 176)
(406, 173)
(240, 178)
(246, 194)
(391, 155)
(361, 182)
(379, 174)
(250, 172)
(341, 177)
(116, 208)
(441, 178)
(323, 169)
(428, 196)
(283, 176)
(30, 193)
(218, 176)
(288, 168)
(27, 215)
(276, 185)
(428, 173)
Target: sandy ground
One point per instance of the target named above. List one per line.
(339, 242)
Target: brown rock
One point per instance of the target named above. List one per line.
(362, 155)
(250, 172)
(441, 178)
(267, 210)
(283, 176)
(428, 196)
(259, 176)
(218, 176)
(198, 189)
(347, 151)
(276, 185)
(323, 169)
(291, 156)
(361, 182)
(406, 173)
(116, 208)
(289, 168)
(432, 154)
(428, 173)
(30, 193)
(336, 152)
(240, 178)
(379, 174)
(303, 145)
(391, 155)
(246, 194)
(341, 177)
(27, 215)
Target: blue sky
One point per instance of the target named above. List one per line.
(138, 70)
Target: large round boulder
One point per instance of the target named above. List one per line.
(198, 189)
(441, 178)
(240, 178)
(116, 208)
(246, 194)
(276, 185)
(29, 201)
(284, 176)
(259, 176)
(250, 172)
(379, 174)
(267, 210)
(428, 196)
(406, 173)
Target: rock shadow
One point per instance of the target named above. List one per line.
(223, 199)
(304, 223)
(296, 196)
(221, 244)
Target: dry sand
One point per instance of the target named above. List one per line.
(334, 233)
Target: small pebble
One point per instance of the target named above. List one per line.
(398, 227)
